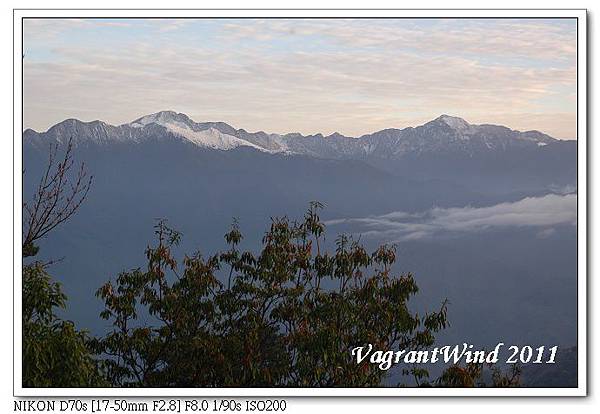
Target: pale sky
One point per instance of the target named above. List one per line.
(308, 76)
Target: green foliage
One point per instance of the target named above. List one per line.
(30, 249)
(288, 316)
(55, 354)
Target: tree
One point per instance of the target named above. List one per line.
(59, 195)
(55, 354)
(288, 316)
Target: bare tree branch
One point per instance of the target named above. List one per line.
(57, 198)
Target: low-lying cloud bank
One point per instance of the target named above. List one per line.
(542, 212)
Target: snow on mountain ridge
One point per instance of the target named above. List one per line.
(161, 118)
(454, 122)
(203, 135)
(445, 133)
(211, 138)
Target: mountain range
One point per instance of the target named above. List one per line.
(519, 280)
(445, 133)
(488, 158)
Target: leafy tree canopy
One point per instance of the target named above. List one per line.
(287, 316)
(55, 354)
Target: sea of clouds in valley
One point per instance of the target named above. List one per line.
(535, 212)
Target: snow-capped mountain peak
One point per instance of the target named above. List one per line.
(206, 135)
(445, 134)
(163, 118)
(454, 122)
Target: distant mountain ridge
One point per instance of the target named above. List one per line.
(443, 134)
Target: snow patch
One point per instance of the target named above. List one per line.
(211, 138)
(454, 122)
(164, 118)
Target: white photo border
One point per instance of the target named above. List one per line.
(582, 260)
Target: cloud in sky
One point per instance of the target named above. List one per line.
(309, 76)
(533, 212)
